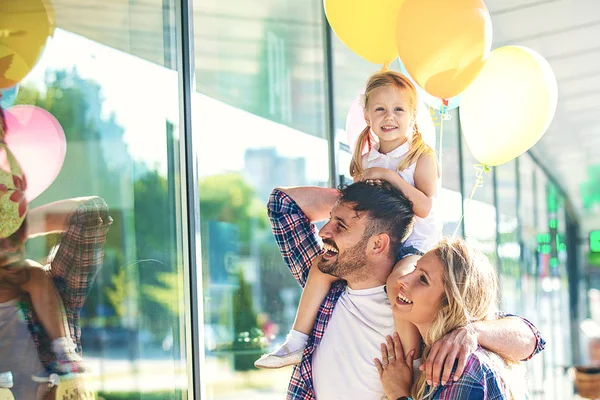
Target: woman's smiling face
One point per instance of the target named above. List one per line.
(416, 291)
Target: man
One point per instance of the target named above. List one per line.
(365, 225)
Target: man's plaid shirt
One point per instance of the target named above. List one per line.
(74, 264)
(299, 246)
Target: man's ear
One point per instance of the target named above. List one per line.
(379, 244)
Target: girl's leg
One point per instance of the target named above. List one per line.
(290, 352)
(315, 291)
(48, 308)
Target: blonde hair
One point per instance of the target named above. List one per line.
(470, 295)
(418, 147)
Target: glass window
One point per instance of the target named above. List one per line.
(259, 123)
(449, 199)
(508, 244)
(108, 78)
(480, 212)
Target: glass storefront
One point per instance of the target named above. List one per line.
(258, 120)
(113, 77)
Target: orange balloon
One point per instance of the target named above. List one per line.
(444, 43)
(24, 28)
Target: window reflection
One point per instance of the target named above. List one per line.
(118, 107)
(259, 123)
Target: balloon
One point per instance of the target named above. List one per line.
(443, 44)
(13, 206)
(51, 17)
(25, 26)
(8, 96)
(355, 124)
(509, 106)
(365, 26)
(38, 142)
(428, 99)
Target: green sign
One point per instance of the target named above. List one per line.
(595, 241)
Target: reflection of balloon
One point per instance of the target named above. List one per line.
(366, 27)
(428, 99)
(13, 206)
(25, 28)
(355, 124)
(8, 96)
(443, 44)
(51, 17)
(509, 106)
(38, 142)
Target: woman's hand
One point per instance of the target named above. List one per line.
(395, 371)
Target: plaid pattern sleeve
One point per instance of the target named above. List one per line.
(477, 382)
(299, 245)
(74, 264)
(540, 343)
(294, 233)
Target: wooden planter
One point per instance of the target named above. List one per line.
(587, 382)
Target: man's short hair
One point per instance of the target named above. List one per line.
(389, 211)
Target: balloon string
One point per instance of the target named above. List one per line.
(440, 149)
(443, 116)
(385, 67)
(481, 170)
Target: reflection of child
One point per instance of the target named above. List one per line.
(400, 157)
(19, 276)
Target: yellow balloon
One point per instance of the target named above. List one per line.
(510, 105)
(366, 27)
(74, 387)
(24, 28)
(12, 181)
(51, 17)
(443, 43)
(5, 394)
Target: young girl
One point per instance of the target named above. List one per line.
(400, 157)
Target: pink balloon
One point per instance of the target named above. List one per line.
(38, 142)
(355, 122)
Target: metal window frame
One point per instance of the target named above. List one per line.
(190, 201)
(334, 179)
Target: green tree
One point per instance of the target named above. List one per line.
(167, 294)
(229, 198)
(249, 341)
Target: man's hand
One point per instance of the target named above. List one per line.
(395, 371)
(455, 346)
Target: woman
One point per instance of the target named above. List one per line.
(450, 287)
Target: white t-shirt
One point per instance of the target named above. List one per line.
(343, 366)
(18, 353)
(426, 232)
